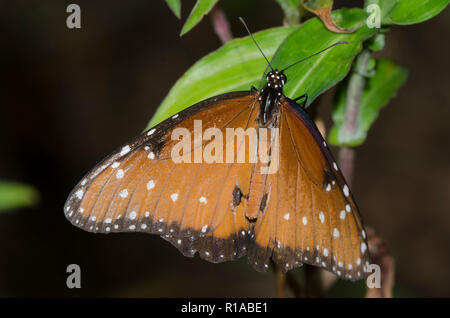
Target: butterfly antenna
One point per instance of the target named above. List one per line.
(256, 43)
(337, 43)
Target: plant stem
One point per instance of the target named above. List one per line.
(281, 280)
(313, 281)
(346, 163)
(294, 285)
(220, 24)
(353, 100)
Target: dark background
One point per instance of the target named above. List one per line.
(69, 97)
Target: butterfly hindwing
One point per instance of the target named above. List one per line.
(311, 216)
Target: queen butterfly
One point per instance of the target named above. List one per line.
(223, 209)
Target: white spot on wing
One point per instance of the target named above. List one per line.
(151, 155)
(150, 185)
(335, 166)
(115, 165)
(132, 215)
(125, 150)
(204, 228)
(304, 220)
(120, 174)
(335, 233)
(124, 193)
(321, 217)
(203, 200)
(79, 194)
(346, 192)
(286, 216)
(363, 247)
(174, 196)
(151, 131)
(342, 215)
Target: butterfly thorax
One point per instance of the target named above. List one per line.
(270, 97)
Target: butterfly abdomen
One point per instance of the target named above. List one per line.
(257, 192)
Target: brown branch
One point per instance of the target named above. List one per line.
(220, 24)
(377, 248)
(380, 255)
(281, 280)
(347, 163)
(294, 285)
(353, 99)
(313, 281)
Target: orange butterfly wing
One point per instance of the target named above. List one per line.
(311, 216)
(308, 215)
(140, 188)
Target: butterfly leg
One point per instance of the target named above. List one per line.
(305, 96)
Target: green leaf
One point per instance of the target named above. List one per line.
(321, 72)
(175, 6)
(416, 11)
(16, 195)
(201, 8)
(404, 12)
(376, 43)
(291, 9)
(237, 65)
(379, 89)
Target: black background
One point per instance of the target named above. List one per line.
(69, 97)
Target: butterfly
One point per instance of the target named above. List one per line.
(301, 212)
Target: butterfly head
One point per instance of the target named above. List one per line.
(276, 79)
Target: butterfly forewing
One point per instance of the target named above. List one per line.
(140, 187)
